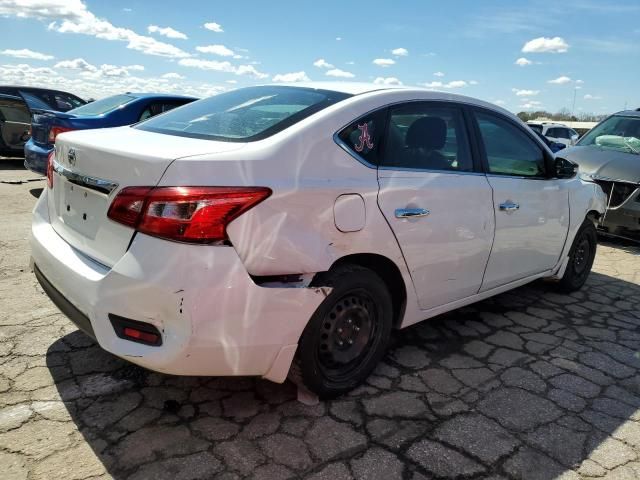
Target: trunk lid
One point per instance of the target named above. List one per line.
(93, 165)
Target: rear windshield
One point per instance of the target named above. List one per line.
(615, 133)
(102, 106)
(243, 115)
(535, 128)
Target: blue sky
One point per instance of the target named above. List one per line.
(584, 48)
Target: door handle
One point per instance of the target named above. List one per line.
(411, 212)
(509, 207)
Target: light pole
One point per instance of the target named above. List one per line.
(575, 90)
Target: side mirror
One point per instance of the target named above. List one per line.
(565, 168)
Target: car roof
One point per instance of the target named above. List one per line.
(629, 113)
(37, 89)
(160, 95)
(351, 88)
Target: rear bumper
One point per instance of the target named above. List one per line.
(213, 318)
(35, 157)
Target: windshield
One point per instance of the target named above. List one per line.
(34, 102)
(243, 115)
(616, 133)
(102, 106)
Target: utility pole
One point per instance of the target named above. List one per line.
(575, 90)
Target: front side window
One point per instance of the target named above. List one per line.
(509, 150)
(426, 136)
(363, 136)
(563, 133)
(14, 111)
(615, 133)
(243, 115)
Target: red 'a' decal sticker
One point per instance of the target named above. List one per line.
(364, 138)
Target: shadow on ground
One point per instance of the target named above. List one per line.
(11, 163)
(530, 384)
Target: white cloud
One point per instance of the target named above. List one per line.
(588, 96)
(214, 27)
(166, 32)
(222, 67)
(579, 82)
(384, 62)
(438, 74)
(400, 52)
(338, 39)
(97, 85)
(291, 77)
(322, 63)
(546, 45)
(76, 64)
(217, 50)
(336, 72)
(560, 80)
(26, 53)
(72, 16)
(138, 68)
(500, 102)
(525, 93)
(473, 82)
(452, 84)
(232, 82)
(387, 81)
(531, 104)
(523, 62)
(173, 76)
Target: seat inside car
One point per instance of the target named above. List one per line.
(425, 138)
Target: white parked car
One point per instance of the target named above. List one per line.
(279, 225)
(556, 132)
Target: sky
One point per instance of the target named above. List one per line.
(580, 55)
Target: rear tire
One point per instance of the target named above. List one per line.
(581, 257)
(347, 334)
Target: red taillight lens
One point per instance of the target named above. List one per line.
(185, 214)
(50, 158)
(55, 131)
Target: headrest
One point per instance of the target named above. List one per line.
(427, 132)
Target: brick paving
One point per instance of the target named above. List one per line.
(528, 385)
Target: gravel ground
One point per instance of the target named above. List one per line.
(528, 385)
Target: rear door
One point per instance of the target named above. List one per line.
(15, 122)
(531, 209)
(435, 200)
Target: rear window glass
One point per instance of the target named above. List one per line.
(243, 115)
(102, 106)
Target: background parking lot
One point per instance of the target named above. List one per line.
(530, 384)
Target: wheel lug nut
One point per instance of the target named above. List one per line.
(340, 343)
(349, 321)
(357, 329)
(339, 330)
(350, 342)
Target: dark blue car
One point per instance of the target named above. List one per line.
(114, 111)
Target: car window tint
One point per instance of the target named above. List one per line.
(509, 150)
(536, 128)
(14, 111)
(244, 115)
(363, 136)
(103, 106)
(563, 133)
(427, 137)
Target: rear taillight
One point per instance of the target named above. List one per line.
(55, 131)
(184, 214)
(50, 158)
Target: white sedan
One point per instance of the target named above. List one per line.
(279, 226)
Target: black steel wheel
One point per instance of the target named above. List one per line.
(348, 333)
(581, 257)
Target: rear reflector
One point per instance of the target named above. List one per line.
(135, 331)
(184, 214)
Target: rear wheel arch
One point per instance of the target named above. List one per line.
(388, 272)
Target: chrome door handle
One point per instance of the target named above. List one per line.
(509, 207)
(411, 212)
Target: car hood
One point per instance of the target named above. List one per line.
(605, 163)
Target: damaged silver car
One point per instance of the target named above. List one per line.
(609, 155)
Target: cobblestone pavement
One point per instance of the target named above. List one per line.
(530, 384)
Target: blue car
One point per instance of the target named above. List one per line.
(114, 111)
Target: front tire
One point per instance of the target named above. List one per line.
(347, 334)
(581, 257)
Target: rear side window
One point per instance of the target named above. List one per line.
(536, 128)
(14, 111)
(363, 136)
(243, 115)
(427, 136)
(102, 106)
(509, 150)
(156, 108)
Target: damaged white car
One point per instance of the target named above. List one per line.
(274, 226)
